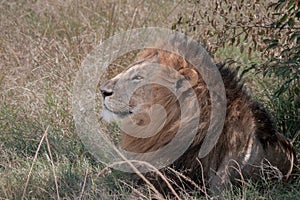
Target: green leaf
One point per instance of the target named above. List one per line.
(291, 4)
(294, 36)
(297, 15)
(283, 19)
(291, 22)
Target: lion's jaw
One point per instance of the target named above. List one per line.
(116, 93)
(149, 105)
(136, 90)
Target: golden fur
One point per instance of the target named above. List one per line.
(246, 146)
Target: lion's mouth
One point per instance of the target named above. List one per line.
(119, 113)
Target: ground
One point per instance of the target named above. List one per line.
(42, 45)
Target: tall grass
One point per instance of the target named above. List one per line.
(42, 44)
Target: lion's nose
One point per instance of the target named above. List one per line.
(106, 93)
(106, 90)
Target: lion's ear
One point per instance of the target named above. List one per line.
(190, 74)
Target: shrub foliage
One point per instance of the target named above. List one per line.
(265, 29)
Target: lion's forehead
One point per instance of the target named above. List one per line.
(139, 68)
(149, 72)
(135, 69)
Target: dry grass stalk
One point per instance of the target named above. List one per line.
(33, 162)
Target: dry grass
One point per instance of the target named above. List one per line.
(42, 44)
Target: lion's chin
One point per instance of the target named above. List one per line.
(110, 116)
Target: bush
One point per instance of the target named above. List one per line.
(241, 32)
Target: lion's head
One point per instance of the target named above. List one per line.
(145, 99)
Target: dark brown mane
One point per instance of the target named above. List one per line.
(244, 115)
(248, 140)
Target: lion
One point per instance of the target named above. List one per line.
(247, 146)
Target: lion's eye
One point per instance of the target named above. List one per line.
(137, 78)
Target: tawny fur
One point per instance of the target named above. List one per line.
(248, 141)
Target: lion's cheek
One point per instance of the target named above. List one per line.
(108, 116)
(141, 119)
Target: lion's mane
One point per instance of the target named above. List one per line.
(248, 140)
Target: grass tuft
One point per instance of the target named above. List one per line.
(42, 44)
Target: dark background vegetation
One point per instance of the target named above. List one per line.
(42, 44)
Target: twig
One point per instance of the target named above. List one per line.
(52, 165)
(135, 170)
(190, 181)
(203, 180)
(83, 186)
(34, 160)
(134, 190)
(295, 137)
(129, 162)
(241, 180)
(259, 26)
